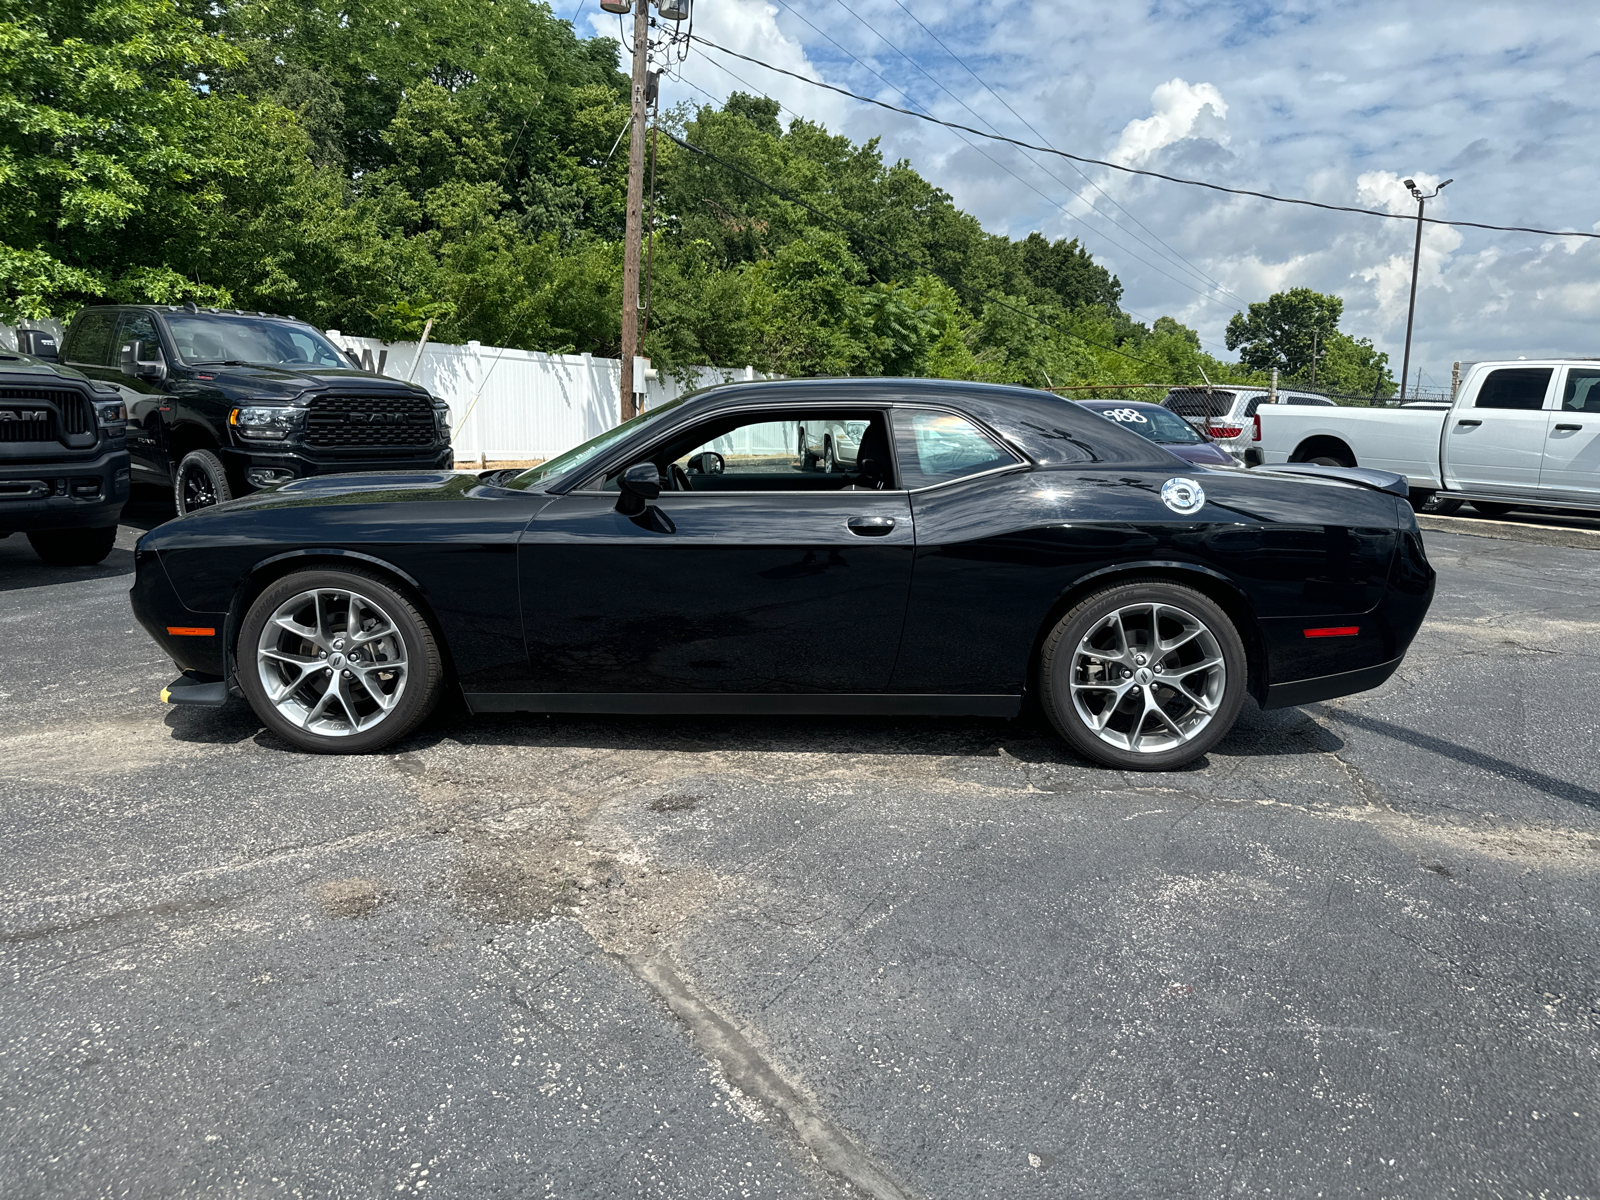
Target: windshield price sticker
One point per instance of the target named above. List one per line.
(1126, 414)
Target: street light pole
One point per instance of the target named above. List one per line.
(1416, 259)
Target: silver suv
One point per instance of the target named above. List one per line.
(1226, 415)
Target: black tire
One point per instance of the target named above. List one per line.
(830, 464)
(1419, 498)
(1327, 460)
(422, 683)
(1486, 509)
(73, 547)
(1056, 667)
(1445, 505)
(199, 482)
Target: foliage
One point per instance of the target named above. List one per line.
(376, 164)
(1285, 330)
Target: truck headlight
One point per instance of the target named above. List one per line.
(112, 412)
(264, 423)
(441, 417)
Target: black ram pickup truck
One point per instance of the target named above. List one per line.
(222, 402)
(63, 460)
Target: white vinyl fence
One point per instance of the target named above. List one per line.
(520, 404)
(511, 405)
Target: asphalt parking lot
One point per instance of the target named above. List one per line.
(1354, 951)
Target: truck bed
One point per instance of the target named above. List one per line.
(1402, 440)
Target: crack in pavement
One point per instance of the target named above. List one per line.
(748, 1070)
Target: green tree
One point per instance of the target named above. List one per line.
(1284, 330)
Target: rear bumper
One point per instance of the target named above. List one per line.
(82, 494)
(1328, 687)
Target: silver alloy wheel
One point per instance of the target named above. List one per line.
(332, 662)
(1148, 677)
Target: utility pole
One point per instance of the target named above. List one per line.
(1313, 360)
(1416, 258)
(635, 226)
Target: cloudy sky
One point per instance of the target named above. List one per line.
(1335, 102)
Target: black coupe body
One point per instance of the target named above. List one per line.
(991, 541)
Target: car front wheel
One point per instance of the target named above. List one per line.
(338, 662)
(1145, 676)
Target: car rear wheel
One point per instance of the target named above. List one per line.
(1145, 676)
(74, 547)
(338, 662)
(201, 481)
(830, 464)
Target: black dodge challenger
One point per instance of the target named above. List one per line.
(990, 543)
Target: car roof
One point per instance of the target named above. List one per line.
(182, 308)
(1044, 427)
(1122, 404)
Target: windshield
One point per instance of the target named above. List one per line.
(263, 341)
(1154, 423)
(571, 459)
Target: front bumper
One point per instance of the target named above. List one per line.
(299, 462)
(194, 640)
(82, 494)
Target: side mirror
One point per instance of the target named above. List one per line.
(707, 462)
(142, 368)
(39, 343)
(640, 484)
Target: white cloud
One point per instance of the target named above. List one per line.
(1336, 103)
(1179, 110)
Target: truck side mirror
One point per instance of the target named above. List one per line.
(142, 368)
(40, 343)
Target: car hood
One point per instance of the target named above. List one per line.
(356, 488)
(291, 380)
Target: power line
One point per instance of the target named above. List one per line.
(1100, 162)
(784, 108)
(1031, 128)
(1203, 292)
(845, 225)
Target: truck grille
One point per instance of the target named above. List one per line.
(371, 421)
(25, 417)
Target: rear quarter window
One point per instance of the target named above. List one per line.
(91, 341)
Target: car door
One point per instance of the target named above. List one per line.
(1571, 469)
(146, 399)
(1497, 444)
(762, 575)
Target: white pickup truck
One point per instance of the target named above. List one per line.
(1523, 434)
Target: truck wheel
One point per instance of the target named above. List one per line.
(1146, 675)
(1327, 460)
(200, 482)
(1486, 509)
(338, 661)
(73, 547)
(1445, 505)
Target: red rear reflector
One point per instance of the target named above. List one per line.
(191, 631)
(1334, 631)
(1225, 431)
(1256, 436)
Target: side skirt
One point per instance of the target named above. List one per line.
(747, 703)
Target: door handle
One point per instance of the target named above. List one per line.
(1469, 422)
(871, 526)
(1569, 427)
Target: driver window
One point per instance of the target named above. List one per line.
(806, 451)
